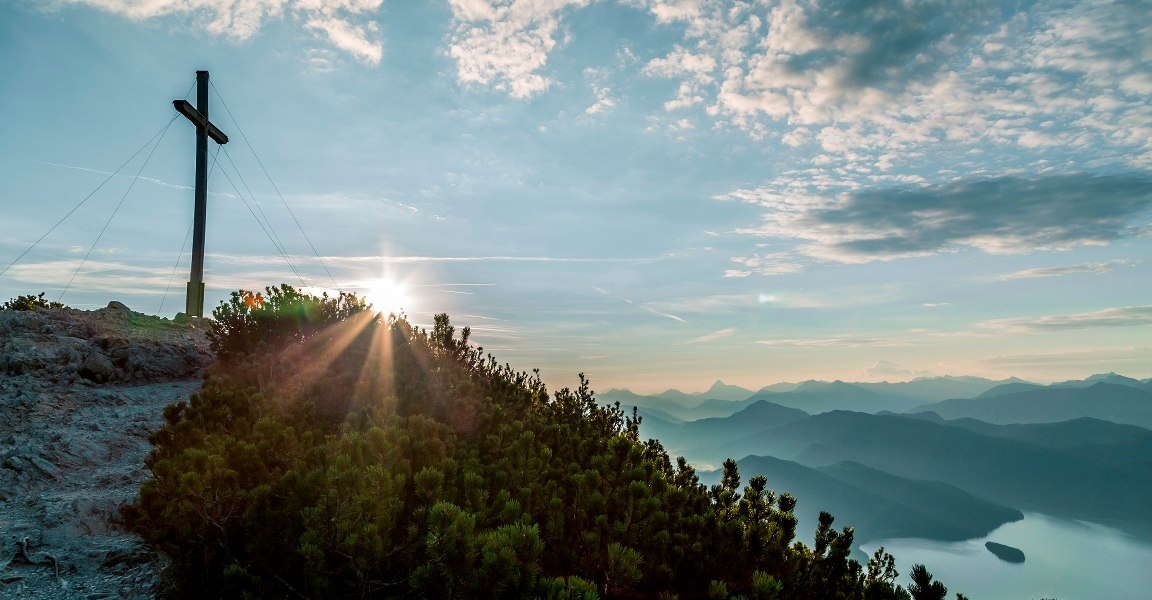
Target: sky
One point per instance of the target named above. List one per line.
(656, 193)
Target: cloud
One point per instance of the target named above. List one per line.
(696, 71)
(869, 80)
(351, 38)
(347, 24)
(835, 342)
(799, 59)
(1108, 358)
(887, 368)
(152, 180)
(646, 306)
(604, 100)
(504, 44)
(711, 337)
(96, 276)
(1125, 316)
(359, 260)
(781, 263)
(998, 215)
(1100, 267)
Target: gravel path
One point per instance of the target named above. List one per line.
(79, 394)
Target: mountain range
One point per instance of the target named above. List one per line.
(963, 464)
(811, 396)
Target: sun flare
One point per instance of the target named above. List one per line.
(388, 296)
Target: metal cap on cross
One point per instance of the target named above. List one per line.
(194, 302)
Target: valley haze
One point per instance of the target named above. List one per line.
(965, 454)
(945, 470)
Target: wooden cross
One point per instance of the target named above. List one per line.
(194, 302)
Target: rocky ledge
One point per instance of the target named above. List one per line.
(80, 391)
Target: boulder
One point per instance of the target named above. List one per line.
(98, 368)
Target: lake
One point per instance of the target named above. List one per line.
(1067, 560)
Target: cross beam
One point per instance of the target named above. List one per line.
(185, 108)
(194, 302)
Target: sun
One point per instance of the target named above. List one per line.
(387, 296)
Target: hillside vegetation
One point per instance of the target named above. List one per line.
(332, 453)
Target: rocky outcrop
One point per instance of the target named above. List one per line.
(80, 391)
(110, 345)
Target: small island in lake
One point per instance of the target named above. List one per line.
(1005, 553)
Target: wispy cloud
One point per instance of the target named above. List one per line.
(360, 260)
(999, 215)
(107, 276)
(840, 297)
(347, 24)
(833, 342)
(711, 337)
(647, 307)
(152, 180)
(1125, 316)
(1099, 267)
(780, 263)
(887, 368)
(1108, 358)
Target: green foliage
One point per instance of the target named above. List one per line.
(923, 588)
(278, 316)
(345, 455)
(30, 302)
(765, 586)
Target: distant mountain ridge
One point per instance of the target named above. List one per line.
(757, 417)
(1110, 482)
(1118, 403)
(1110, 378)
(1076, 449)
(876, 504)
(811, 396)
(718, 391)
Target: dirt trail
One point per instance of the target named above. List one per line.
(80, 391)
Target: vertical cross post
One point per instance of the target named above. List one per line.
(194, 302)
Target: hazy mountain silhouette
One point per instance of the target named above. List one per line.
(1021, 386)
(758, 417)
(876, 504)
(815, 397)
(811, 396)
(718, 391)
(1007, 388)
(677, 405)
(1085, 431)
(1112, 378)
(1111, 482)
(1107, 401)
(779, 387)
(939, 388)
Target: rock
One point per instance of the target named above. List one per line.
(17, 463)
(44, 466)
(97, 368)
(118, 306)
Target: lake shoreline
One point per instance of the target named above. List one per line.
(1066, 559)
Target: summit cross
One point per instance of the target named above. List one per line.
(194, 302)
